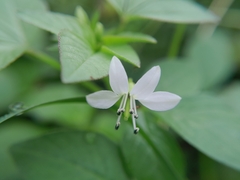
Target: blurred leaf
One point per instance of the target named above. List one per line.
(210, 125)
(78, 60)
(164, 10)
(230, 96)
(213, 57)
(124, 52)
(68, 7)
(9, 53)
(81, 15)
(15, 36)
(75, 115)
(152, 154)
(104, 123)
(55, 22)
(126, 37)
(211, 170)
(10, 133)
(52, 22)
(73, 155)
(16, 81)
(179, 77)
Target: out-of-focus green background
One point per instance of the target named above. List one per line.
(198, 140)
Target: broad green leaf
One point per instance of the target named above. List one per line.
(231, 96)
(55, 22)
(210, 125)
(19, 108)
(12, 132)
(177, 11)
(50, 21)
(16, 80)
(64, 155)
(9, 53)
(78, 60)
(179, 76)
(127, 37)
(104, 123)
(15, 36)
(123, 51)
(213, 56)
(151, 154)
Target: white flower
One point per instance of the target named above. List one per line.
(143, 91)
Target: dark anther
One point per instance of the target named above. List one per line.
(136, 131)
(117, 126)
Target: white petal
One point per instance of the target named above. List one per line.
(160, 101)
(118, 77)
(102, 99)
(147, 84)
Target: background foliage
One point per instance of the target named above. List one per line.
(53, 53)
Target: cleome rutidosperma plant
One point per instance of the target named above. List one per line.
(65, 89)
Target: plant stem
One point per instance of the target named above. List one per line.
(219, 7)
(176, 40)
(91, 86)
(44, 58)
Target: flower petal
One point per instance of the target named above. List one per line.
(118, 77)
(102, 99)
(147, 84)
(160, 101)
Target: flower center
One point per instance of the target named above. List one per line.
(132, 111)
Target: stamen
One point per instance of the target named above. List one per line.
(136, 129)
(118, 122)
(133, 111)
(131, 105)
(120, 110)
(122, 104)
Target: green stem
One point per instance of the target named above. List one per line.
(176, 40)
(44, 58)
(122, 25)
(91, 86)
(25, 109)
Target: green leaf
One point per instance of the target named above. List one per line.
(82, 15)
(74, 155)
(123, 51)
(230, 96)
(13, 132)
(50, 21)
(9, 52)
(213, 56)
(19, 108)
(177, 11)
(127, 37)
(210, 125)
(179, 76)
(79, 62)
(55, 22)
(15, 36)
(153, 150)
